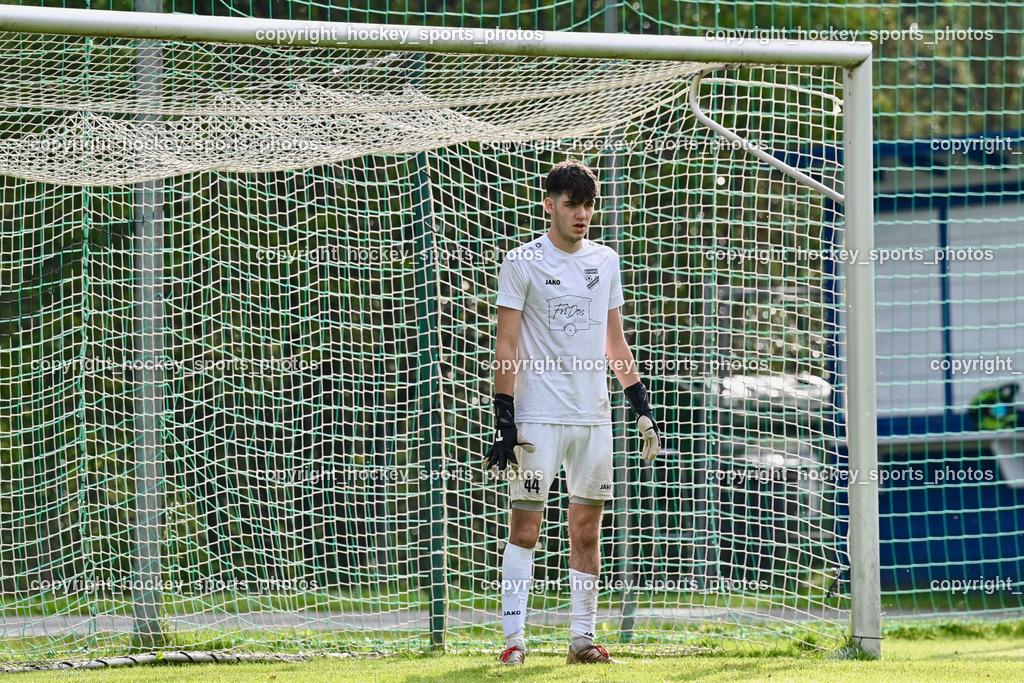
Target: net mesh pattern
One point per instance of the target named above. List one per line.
(71, 110)
(259, 428)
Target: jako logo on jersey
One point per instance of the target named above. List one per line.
(552, 282)
(513, 614)
(606, 487)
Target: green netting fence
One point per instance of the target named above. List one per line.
(950, 289)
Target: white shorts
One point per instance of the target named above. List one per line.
(586, 451)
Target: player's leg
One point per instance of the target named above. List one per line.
(588, 468)
(528, 490)
(516, 579)
(584, 568)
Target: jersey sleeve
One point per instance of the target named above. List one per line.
(615, 298)
(512, 285)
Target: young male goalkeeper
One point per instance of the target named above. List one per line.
(558, 319)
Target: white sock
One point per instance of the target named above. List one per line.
(583, 618)
(516, 579)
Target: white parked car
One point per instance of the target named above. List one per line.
(762, 393)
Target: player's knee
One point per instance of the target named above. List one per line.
(524, 537)
(586, 537)
(524, 525)
(585, 527)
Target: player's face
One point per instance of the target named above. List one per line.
(569, 220)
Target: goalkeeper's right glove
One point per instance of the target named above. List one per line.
(503, 451)
(649, 432)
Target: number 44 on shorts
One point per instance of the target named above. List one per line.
(531, 478)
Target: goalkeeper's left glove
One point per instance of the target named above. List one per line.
(649, 432)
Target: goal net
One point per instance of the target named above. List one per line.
(247, 325)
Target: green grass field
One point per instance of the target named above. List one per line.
(934, 652)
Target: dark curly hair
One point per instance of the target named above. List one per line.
(574, 178)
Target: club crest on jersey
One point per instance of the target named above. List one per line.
(592, 277)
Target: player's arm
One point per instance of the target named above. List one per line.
(621, 359)
(506, 350)
(617, 350)
(506, 353)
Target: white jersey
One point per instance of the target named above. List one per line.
(565, 298)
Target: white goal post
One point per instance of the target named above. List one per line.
(148, 55)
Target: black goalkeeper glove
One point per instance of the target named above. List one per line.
(649, 432)
(503, 451)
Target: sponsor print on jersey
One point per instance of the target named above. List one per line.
(592, 277)
(570, 314)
